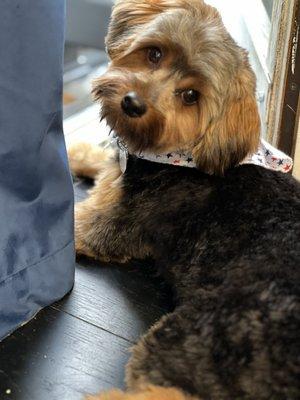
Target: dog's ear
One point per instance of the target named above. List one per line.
(234, 132)
(129, 15)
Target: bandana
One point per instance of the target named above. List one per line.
(266, 156)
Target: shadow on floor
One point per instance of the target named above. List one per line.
(81, 344)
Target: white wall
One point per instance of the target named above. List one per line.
(296, 170)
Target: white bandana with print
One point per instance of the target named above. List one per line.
(266, 156)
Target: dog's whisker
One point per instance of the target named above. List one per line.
(114, 126)
(103, 117)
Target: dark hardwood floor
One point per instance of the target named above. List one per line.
(81, 344)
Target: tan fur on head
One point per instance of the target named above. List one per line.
(223, 126)
(234, 131)
(130, 15)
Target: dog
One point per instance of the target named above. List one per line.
(225, 235)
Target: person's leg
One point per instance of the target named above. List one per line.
(36, 196)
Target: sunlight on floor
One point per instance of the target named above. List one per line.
(86, 127)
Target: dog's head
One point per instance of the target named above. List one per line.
(177, 80)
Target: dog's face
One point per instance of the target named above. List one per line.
(177, 80)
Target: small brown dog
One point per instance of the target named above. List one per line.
(225, 236)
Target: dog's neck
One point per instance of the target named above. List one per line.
(266, 156)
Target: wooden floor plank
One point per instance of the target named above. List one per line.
(124, 300)
(57, 356)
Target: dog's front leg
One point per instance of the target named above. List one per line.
(92, 216)
(100, 230)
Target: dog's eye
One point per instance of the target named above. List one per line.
(154, 55)
(190, 96)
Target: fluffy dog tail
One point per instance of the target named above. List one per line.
(88, 160)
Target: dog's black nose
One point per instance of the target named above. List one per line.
(133, 105)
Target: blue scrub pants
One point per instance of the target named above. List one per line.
(36, 195)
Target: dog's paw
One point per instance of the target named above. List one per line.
(111, 395)
(83, 250)
(87, 160)
(148, 393)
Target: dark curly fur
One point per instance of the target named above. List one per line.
(230, 248)
(228, 243)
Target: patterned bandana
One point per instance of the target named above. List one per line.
(266, 156)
